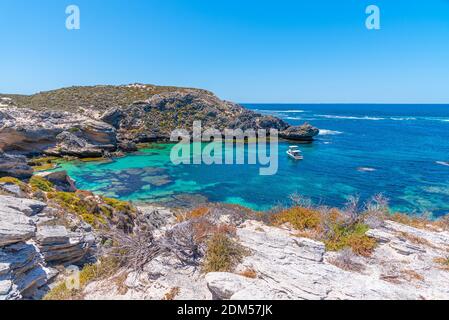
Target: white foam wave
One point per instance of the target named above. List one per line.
(349, 117)
(325, 132)
(291, 111)
(293, 118)
(366, 169)
(443, 163)
(404, 119)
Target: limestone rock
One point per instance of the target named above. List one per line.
(289, 267)
(15, 226)
(23, 271)
(28, 207)
(13, 166)
(59, 246)
(31, 132)
(305, 132)
(60, 180)
(224, 285)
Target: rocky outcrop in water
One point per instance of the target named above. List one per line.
(305, 132)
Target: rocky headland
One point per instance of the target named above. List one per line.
(97, 121)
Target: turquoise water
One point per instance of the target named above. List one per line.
(401, 151)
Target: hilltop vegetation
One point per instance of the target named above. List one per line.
(96, 97)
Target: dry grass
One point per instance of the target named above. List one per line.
(394, 279)
(249, 273)
(172, 294)
(443, 262)
(416, 222)
(91, 272)
(411, 275)
(196, 213)
(119, 281)
(299, 218)
(415, 239)
(223, 254)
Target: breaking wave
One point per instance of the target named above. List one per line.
(325, 132)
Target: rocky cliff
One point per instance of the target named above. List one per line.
(47, 226)
(93, 121)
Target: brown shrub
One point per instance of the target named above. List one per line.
(172, 294)
(299, 218)
(249, 273)
(223, 254)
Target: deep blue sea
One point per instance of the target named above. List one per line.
(401, 151)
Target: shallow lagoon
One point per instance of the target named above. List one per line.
(400, 151)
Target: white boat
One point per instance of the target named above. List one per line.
(294, 153)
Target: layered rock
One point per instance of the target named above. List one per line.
(28, 246)
(30, 132)
(13, 166)
(288, 267)
(61, 247)
(15, 223)
(60, 180)
(21, 266)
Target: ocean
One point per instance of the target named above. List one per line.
(401, 151)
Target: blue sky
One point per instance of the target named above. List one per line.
(243, 50)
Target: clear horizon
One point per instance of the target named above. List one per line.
(294, 52)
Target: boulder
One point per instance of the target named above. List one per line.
(128, 146)
(28, 207)
(306, 132)
(14, 166)
(59, 246)
(61, 180)
(15, 226)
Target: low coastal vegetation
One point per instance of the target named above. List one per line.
(338, 229)
(43, 163)
(223, 254)
(39, 183)
(102, 97)
(103, 269)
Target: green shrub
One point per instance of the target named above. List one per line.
(223, 254)
(122, 206)
(299, 218)
(11, 180)
(353, 236)
(39, 183)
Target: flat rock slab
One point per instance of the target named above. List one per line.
(289, 267)
(28, 207)
(53, 235)
(15, 226)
